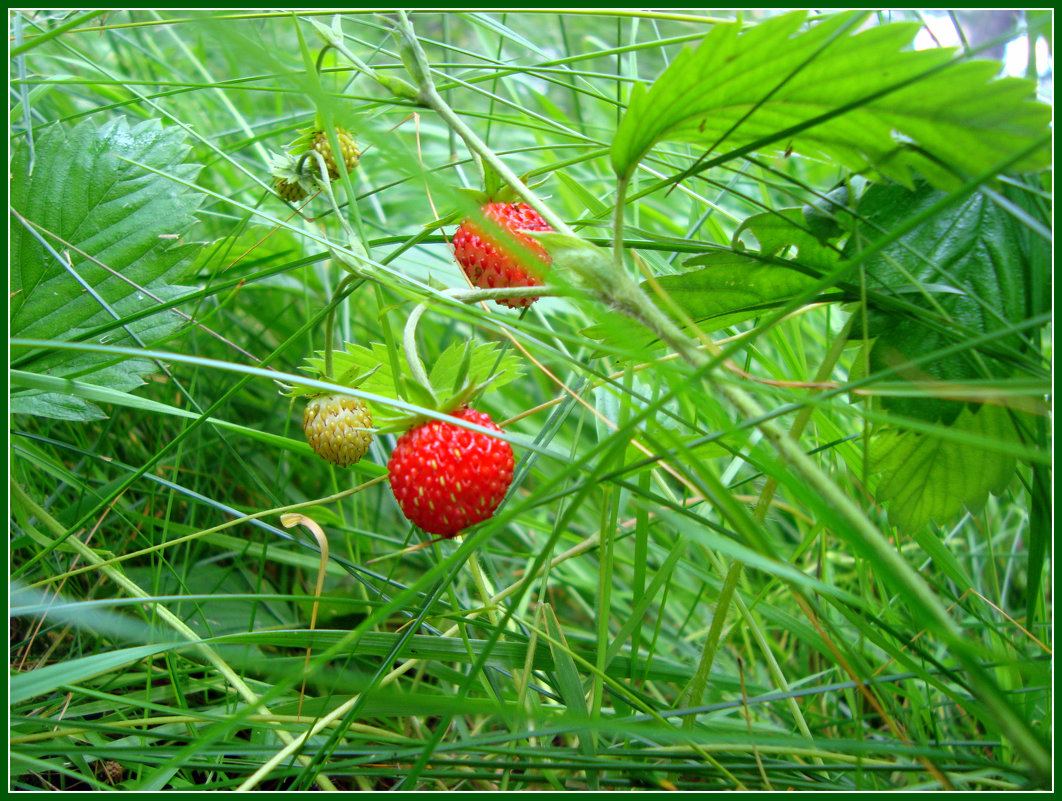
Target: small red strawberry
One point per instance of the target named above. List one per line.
(338, 428)
(447, 478)
(489, 265)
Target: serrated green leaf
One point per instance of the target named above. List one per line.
(115, 226)
(922, 478)
(732, 287)
(787, 228)
(483, 364)
(739, 284)
(367, 369)
(860, 99)
(966, 268)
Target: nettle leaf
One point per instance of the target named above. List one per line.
(858, 99)
(787, 230)
(921, 477)
(965, 272)
(117, 227)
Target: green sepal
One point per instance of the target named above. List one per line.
(399, 88)
(492, 181)
(354, 367)
(461, 373)
(418, 393)
(285, 166)
(496, 191)
(304, 141)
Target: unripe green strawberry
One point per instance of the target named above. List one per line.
(489, 265)
(347, 146)
(447, 478)
(338, 428)
(291, 191)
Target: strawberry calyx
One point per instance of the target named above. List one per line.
(289, 181)
(314, 368)
(296, 172)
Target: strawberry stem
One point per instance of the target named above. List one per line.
(628, 298)
(409, 345)
(330, 321)
(417, 63)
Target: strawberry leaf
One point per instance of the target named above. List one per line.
(922, 478)
(95, 244)
(965, 272)
(739, 284)
(986, 250)
(859, 99)
(462, 364)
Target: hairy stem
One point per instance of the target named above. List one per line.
(431, 98)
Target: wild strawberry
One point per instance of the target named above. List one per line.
(347, 146)
(489, 265)
(338, 428)
(291, 191)
(447, 478)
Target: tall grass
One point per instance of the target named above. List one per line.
(690, 585)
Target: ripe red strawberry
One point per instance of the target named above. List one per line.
(338, 428)
(447, 478)
(488, 265)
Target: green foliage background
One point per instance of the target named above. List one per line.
(796, 536)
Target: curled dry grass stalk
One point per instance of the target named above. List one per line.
(779, 512)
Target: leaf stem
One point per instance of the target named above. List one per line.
(430, 97)
(330, 322)
(409, 345)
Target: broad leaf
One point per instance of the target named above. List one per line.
(985, 255)
(860, 99)
(739, 284)
(116, 228)
(965, 270)
(922, 478)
